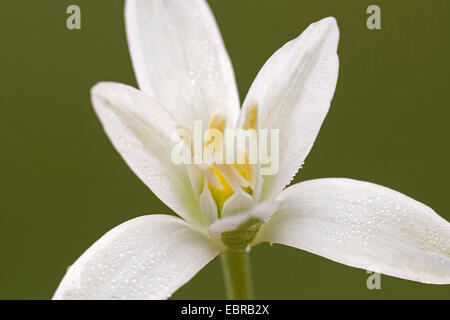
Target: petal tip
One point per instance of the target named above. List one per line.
(328, 23)
(101, 87)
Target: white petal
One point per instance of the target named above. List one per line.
(262, 211)
(363, 225)
(141, 131)
(149, 257)
(293, 92)
(179, 58)
(257, 181)
(208, 205)
(240, 201)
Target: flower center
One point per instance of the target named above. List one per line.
(232, 180)
(222, 177)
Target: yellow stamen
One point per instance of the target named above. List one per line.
(244, 169)
(251, 114)
(217, 122)
(220, 188)
(220, 195)
(250, 118)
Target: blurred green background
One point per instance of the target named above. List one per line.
(63, 185)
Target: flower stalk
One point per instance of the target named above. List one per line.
(237, 275)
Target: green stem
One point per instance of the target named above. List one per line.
(237, 275)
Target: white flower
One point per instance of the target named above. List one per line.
(185, 74)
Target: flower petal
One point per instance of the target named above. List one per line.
(149, 257)
(141, 132)
(180, 59)
(363, 225)
(262, 211)
(293, 92)
(239, 202)
(208, 205)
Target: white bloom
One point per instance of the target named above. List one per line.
(185, 74)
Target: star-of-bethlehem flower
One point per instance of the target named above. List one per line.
(185, 75)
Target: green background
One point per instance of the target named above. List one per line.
(63, 185)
